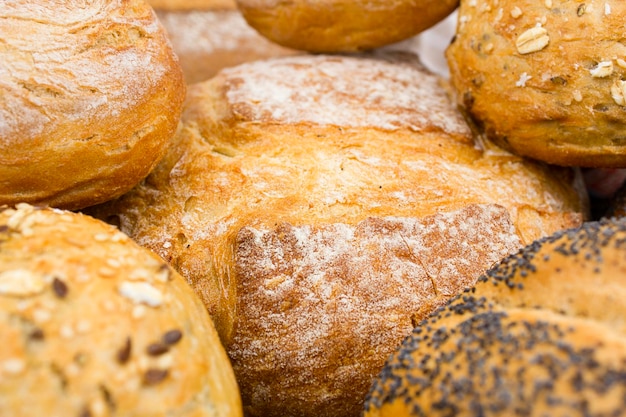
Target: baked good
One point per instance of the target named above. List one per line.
(537, 87)
(541, 333)
(342, 25)
(95, 325)
(211, 36)
(91, 94)
(321, 205)
(177, 5)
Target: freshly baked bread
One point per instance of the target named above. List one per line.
(537, 87)
(178, 5)
(93, 324)
(541, 333)
(321, 205)
(342, 25)
(213, 37)
(91, 93)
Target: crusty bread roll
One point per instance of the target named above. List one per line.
(213, 36)
(541, 333)
(321, 205)
(93, 324)
(342, 25)
(91, 92)
(178, 5)
(536, 86)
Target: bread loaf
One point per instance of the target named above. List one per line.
(95, 325)
(208, 35)
(537, 86)
(321, 205)
(342, 25)
(541, 333)
(91, 93)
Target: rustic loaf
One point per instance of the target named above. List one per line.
(321, 205)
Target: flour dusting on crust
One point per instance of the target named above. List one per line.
(311, 294)
(386, 91)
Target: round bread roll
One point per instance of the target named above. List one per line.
(211, 36)
(537, 87)
(342, 25)
(95, 325)
(321, 205)
(541, 333)
(91, 94)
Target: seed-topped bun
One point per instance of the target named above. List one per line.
(93, 324)
(342, 25)
(541, 333)
(536, 86)
(91, 93)
(320, 205)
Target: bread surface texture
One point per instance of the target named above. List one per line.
(180, 5)
(539, 87)
(206, 41)
(342, 25)
(95, 325)
(541, 333)
(91, 93)
(321, 205)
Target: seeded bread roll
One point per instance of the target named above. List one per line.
(91, 94)
(537, 87)
(212, 36)
(321, 205)
(541, 333)
(95, 325)
(342, 25)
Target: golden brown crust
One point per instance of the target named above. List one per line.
(539, 88)
(541, 333)
(336, 298)
(206, 41)
(342, 25)
(93, 324)
(91, 94)
(296, 155)
(180, 5)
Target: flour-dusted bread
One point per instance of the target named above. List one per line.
(177, 5)
(322, 205)
(91, 93)
(545, 79)
(208, 35)
(93, 324)
(343, 25)
(541, 333)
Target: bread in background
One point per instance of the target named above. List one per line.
(343, 25)
(210, 35)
